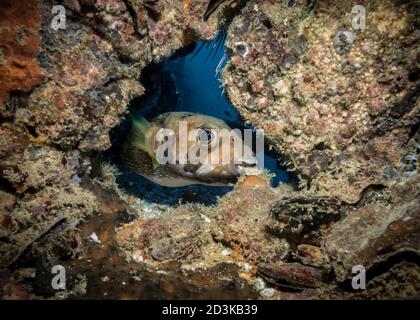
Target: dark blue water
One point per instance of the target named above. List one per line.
(189, 81)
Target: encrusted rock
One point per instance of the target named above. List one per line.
(376, 232)
(302, 218)
(337, 91)
(20, 44)
(310, 255)
(242, 219)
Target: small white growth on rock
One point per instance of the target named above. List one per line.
(137, 257)
(281, 88)
(250, 171)
(61, 295)
(225, 252)
(204, 170)
(94, 238)
(245, 266)
(162, 272)
(205, 218)
(259, 284)
(75, 179)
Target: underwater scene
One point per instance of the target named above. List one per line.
(188, 81)
(201, 150)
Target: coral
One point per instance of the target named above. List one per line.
(35, 216)
(291, 275)
(342, 115)
(383, 231)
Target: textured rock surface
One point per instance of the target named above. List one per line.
(383, 231)
(52, 124)
(291, 275)
(20, 45)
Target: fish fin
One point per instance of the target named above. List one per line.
(138, 135)
(155, 163)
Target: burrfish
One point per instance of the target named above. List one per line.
(182, 148)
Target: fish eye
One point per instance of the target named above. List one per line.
(205, 136)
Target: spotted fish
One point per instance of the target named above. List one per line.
(140, 151)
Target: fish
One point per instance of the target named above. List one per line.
(141, 150)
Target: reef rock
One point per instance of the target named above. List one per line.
(385, 232)
(342, 116)
(340, 103)
(20, 23)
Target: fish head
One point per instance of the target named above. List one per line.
(202, 147)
